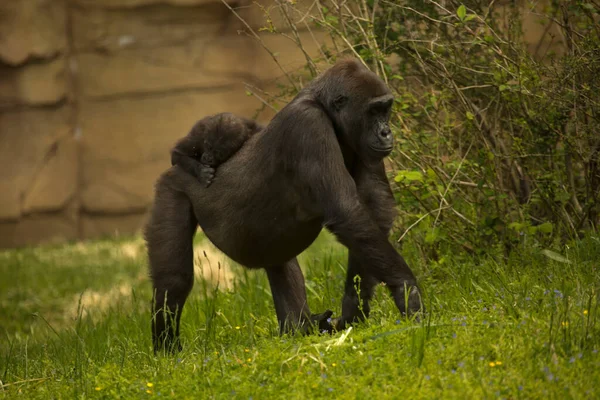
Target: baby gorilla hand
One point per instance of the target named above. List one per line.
(205, 174)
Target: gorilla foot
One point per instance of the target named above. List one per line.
(323, 321)
(315, 323)
(167, 345)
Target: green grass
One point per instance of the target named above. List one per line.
(523, 327)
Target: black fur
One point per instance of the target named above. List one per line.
(211, 142)
(319, 163)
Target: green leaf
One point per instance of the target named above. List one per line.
(431, 174)
(517, 226)
(432, 236)
(555, 256)
(461, 12)
(546, 227)
(470, 116)
(409, 176)
(470, 17)
(414, 176)
(331, 19)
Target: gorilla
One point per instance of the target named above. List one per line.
(318, 163)
(210, 142)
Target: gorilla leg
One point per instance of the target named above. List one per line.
(169, 235)
(289, 296)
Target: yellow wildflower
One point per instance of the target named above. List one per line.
(249, 360)
(149, 384)
(498, 362)
(565, 324)
(149, 391)
(237, 327)
(492, 364)
(246, 350)
(98, 388)
(333, 364)
(585, 312)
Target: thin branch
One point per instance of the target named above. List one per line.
(419, 220)
(262, 43)
(450, 183)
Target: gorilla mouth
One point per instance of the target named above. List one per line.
(382, 149)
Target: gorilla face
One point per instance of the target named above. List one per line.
(361, 114)
(377, 140)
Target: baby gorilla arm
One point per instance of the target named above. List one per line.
(187, 154)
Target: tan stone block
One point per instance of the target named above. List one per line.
(31, 28)
(55, 183)
(201, 64)
(540, 34)
(291, 58)
(97, 226)
(10, 200)
(33, 84)
(38, 229)
(136, 3)
(277, 15)
(29, 140)
(152, 26)
(126, 142)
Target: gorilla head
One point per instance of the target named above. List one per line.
(223, 135)
(359, 105)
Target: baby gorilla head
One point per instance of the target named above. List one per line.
(211, 142)
(223, 135)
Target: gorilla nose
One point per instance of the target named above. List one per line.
(385, 136)
(385, 133)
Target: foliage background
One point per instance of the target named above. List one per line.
(497, 139)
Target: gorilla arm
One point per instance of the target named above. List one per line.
(377, 198)
(334, 193)
(186, 153)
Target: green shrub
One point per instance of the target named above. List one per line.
(495, 144)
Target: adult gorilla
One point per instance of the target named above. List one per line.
(317, 164)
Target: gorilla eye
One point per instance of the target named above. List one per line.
(381, 106)
(339, 102)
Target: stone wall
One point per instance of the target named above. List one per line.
(93, 93)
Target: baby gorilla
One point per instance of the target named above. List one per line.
(211, 142)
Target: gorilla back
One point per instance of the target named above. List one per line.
(263, 221)
(318, 163)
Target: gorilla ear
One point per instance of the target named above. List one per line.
(339, 102)
(252, 125)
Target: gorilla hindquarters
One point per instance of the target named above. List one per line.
(319, 163)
